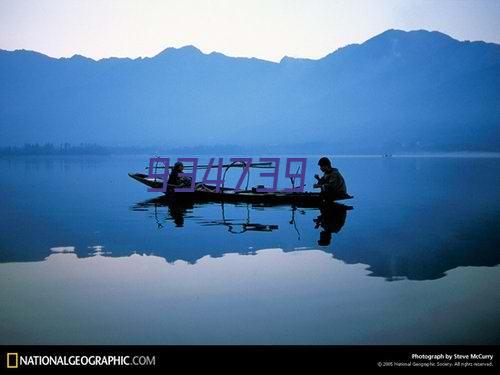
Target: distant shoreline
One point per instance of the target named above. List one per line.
(249, 153)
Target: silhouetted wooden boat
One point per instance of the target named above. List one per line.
(207, 193)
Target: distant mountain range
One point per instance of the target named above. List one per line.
(415, 90)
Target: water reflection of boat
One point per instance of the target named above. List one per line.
(331, 217)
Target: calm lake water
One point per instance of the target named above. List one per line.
(88, 256)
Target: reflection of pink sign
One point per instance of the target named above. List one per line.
(295, 170)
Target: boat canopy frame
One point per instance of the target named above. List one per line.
(236, 163)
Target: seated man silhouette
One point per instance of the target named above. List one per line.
(176, 181)
(332, 183)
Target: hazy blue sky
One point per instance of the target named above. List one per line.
(267, 29)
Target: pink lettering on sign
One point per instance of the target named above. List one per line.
(295, 170)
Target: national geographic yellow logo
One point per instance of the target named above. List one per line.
(12, 360)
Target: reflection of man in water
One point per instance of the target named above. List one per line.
(331, 220)
(177, 213)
